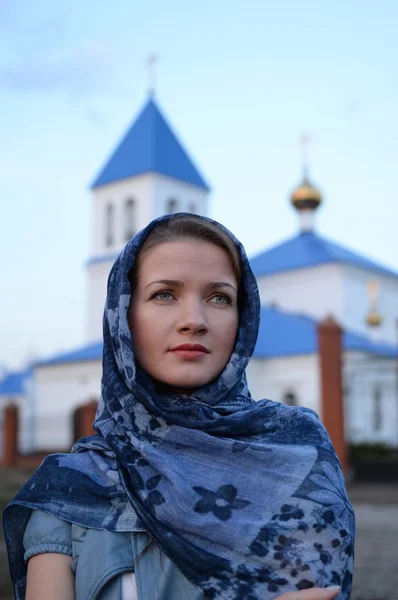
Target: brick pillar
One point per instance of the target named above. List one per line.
(10, 435)
(87, 416)
(330, 358)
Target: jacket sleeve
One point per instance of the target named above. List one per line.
(45, 533)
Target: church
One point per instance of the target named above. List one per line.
(302, 281)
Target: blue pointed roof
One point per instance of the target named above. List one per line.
(150, 146)
(291, 334)
(13, 384)
(308, 250)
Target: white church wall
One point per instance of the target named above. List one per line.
(188, 198)
(315, 291)
(274, 378)
(140, 189)
(151, 193)
(96, 293)
(26, 423)
(371, 405)
(59, 390)
(356, 303)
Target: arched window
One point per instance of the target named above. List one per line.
(290, 399)
(172, 206)
(109, 224)
(377, 409)
(192, 208)
(129, 219)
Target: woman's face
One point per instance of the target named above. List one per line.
(183, 314)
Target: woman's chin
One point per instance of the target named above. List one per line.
(181, 385)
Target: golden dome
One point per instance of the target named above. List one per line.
(306, 195)
(374, 319)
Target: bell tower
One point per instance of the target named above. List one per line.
(148, 175)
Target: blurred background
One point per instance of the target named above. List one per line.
(276, 119)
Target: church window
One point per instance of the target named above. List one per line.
(290, 399)
(172, 206)
(377, 416)
(109, 225)
(129, 219)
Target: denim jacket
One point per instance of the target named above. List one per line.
(99, 558)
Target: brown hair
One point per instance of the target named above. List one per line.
(190, 228)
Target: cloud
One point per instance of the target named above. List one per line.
(80, 69)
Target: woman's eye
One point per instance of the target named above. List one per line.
(221, 299)
(163, 296)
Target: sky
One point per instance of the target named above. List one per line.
(238, 82)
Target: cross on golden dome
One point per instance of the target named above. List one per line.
(306, 195)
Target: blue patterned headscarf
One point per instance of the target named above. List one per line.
(247, 498)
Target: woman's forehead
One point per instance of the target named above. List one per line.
(185, 258)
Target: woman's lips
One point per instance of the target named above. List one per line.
(190, 351)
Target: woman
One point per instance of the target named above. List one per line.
(190, 489)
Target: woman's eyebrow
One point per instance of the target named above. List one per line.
(171, 282)
(217, 284)
(175, 283)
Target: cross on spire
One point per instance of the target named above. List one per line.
(304, 141)
(151, 64)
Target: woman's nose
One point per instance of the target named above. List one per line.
(192, 318)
